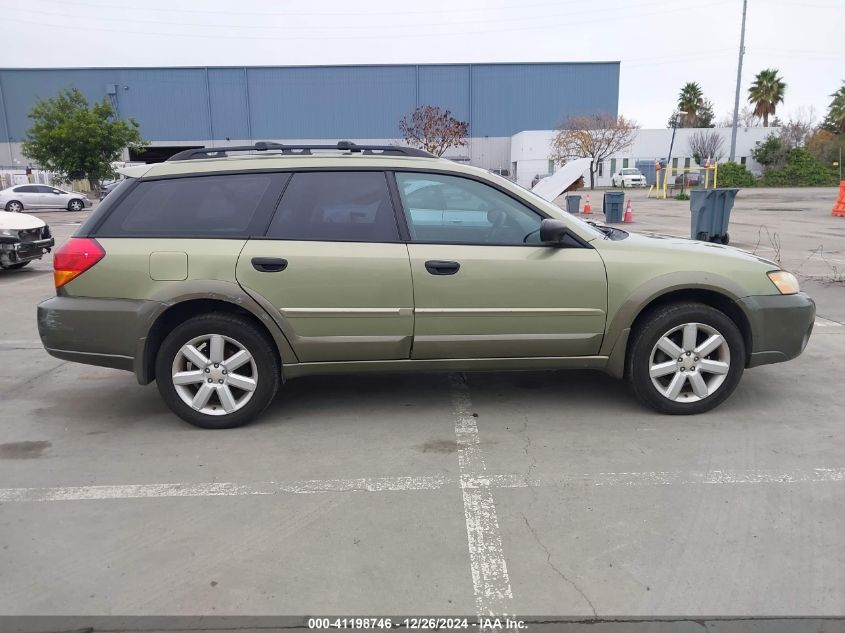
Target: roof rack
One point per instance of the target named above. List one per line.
(299, 150)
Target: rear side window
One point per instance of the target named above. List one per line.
(26, 189)
(336, 206)
(203, 206)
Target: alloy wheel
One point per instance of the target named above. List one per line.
(690, 362)
(214, 374)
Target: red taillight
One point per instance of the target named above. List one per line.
(74, 257)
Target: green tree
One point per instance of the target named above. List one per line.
(733, 174)
(706, 115)
(835, 119)
(770, 153)
(76, 140)
(690, 101)
(765, 93)
(800, 169)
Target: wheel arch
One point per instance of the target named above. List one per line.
(179, 311)
(719, 298)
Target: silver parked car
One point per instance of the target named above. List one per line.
(20, 197)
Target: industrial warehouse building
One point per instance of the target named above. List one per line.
(512, 109)
(178, 107)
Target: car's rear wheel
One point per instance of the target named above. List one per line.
(685, 358)
(14, 206)
(217, 371)
(75, 205)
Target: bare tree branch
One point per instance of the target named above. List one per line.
(704, 145)
(596, 136)
(434, 130)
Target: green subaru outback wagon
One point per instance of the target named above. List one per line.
(220, 274)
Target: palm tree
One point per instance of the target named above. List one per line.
(690, 100)
(765, 93)
(835, 119)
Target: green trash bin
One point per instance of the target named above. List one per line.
(573, 204)
(613, 205)
(710, 214)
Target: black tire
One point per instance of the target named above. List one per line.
(256, 341)
(16, 266)
(75, 205)
(14, 206)
(726, 239)
(653, 327)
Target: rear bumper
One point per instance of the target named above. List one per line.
(780, 326)
(103, 332)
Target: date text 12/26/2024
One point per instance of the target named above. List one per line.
(419, 623)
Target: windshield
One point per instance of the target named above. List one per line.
(631, 172)
(553, 208)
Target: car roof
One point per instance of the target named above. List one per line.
(276, 161)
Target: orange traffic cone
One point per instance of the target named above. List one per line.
(629, 213)
(587, 208)
(839, 207)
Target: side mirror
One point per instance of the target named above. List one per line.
(552, 231)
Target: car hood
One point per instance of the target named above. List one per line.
(19, 221)
(671, 245)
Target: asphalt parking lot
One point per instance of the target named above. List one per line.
(541, 493)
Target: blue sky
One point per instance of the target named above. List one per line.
(661, 43)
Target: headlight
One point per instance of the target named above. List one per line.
(786, 283)
(9, 232)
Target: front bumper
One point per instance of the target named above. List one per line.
(24, 251)
(780, 326)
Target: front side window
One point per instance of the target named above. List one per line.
(451, 209)
(203, 206)
(336, 206)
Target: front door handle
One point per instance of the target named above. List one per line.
(436, 267)
(269, 264)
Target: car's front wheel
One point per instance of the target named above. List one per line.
(685, 358)
(217, 371)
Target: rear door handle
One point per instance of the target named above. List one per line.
(436, 267)
(269, 264)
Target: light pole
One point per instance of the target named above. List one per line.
(738, 81)
(677, 116)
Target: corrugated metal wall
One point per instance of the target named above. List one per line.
(186, 104)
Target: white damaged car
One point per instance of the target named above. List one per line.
(23, 238)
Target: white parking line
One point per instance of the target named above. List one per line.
(667, 478)
(490, 578)
(822, 322)
(427, 482)
(218, 489)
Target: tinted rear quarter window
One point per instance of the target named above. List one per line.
(336, 206)
(198, 206)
